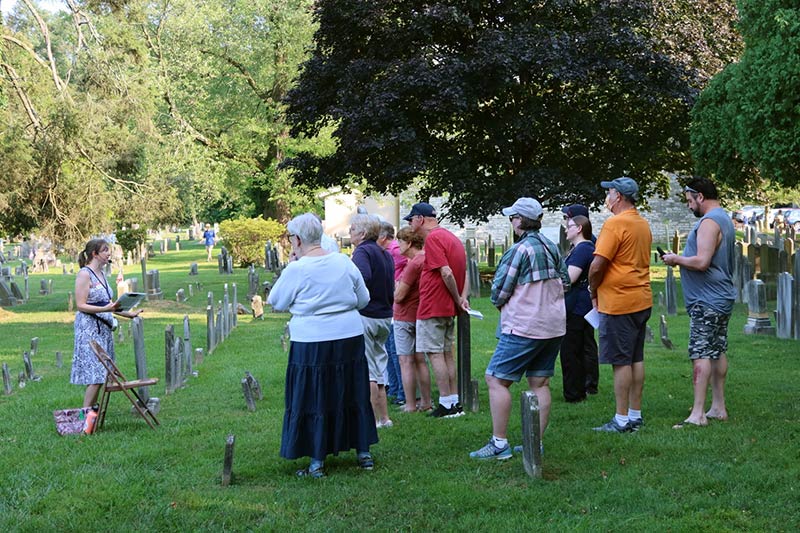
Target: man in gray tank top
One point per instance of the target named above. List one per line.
(707, 281)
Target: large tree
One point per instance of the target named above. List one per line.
(487, 101)
(746, 125)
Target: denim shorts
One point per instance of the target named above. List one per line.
(622, 337)
(708, 332)
(515, 356)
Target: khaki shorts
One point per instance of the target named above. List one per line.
(435, 335)
(376, 331)
(405, 337)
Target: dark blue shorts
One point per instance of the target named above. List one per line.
(622, 337)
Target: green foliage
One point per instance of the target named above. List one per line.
(245, 238)
(518, 98)
(131, 239)
(745, 127)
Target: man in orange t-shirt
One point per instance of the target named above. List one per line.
(619, 282)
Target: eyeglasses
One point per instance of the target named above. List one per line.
(292, 235)
(572, 226)
(689, 189)
(512, 217)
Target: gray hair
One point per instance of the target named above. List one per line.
(306, 226)
(369, 225)
(387, 230)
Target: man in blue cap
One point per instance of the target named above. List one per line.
(619, 283)
(443, 290)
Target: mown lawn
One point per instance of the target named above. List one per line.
(740, 475)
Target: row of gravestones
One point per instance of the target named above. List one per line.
(28, 373)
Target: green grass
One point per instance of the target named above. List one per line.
(741, 475)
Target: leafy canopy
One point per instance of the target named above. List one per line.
(746, 125)
(489, 101)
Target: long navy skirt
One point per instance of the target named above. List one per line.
(327, 400)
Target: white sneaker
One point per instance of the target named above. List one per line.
(386, 424)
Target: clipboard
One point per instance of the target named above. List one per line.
(129, 300)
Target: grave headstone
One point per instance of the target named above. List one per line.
(784, 311)
(70, 302)
(664, 334)
(59, 360)
(180, 296)
(191, 290)
(758, 322)
(671, 290)
(255, 386)
(248, 395)
(464, 355)
(198, 357)
(7, 297)
(648, 334)
(227, 466)
(7, 389)
(140, 356)
(16, 292)
(133, 284)
(186, 367)
(676, 243)
(193, 269)
(796, 297)
(210, 330)
(34, 346)
(253, 282)
(154, 286)
(235, 306)
(144, 274)
(43, 287)
(531, 434)
(30, 375)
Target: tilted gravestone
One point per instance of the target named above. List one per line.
(7, 297)
(248, 395)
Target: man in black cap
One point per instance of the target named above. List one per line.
(443, 290)
(574, 210)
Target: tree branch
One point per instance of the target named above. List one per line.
(23, 96)
(46, 34)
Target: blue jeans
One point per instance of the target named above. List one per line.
(394, 385)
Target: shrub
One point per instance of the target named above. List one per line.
(245, 237)
(131, 239)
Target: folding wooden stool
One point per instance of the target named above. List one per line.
(116, 382)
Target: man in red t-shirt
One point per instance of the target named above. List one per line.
(443, 289)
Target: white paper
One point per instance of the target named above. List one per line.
(475, 313)
(129, 300)
(593, 318)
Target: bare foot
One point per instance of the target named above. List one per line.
(687, 422)
(717, 415)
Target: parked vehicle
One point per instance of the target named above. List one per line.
(749, 214)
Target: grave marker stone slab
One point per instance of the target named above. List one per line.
(464, 356)
(7, 389)
(664, 334)
(784, 311)
(140, 356)
(758, 322)
(59, 360)
(248, 395)
(671, 290)
(531, 434)
(227, 466)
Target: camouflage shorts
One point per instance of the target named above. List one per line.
(708, 333)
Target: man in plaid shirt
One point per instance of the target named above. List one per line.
(528, 289)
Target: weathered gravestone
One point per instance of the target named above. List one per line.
(227, 465)
(7, 297)
(796, 296)
(140, 356)
(154, 286)
(59, 360)
(30, 375)
(531, 434)
(758, 322)
(34, 346)
(783, 314)
(248, 395)
(664, 334)
(464, 356)
(6, 380)
(186, 366)
(193, 269)
(671, 290)
(180, 296)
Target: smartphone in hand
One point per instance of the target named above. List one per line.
(661, 252)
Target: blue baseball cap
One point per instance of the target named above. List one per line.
(624, 186)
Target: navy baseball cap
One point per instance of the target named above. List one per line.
(422, 209)
(575, 210)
